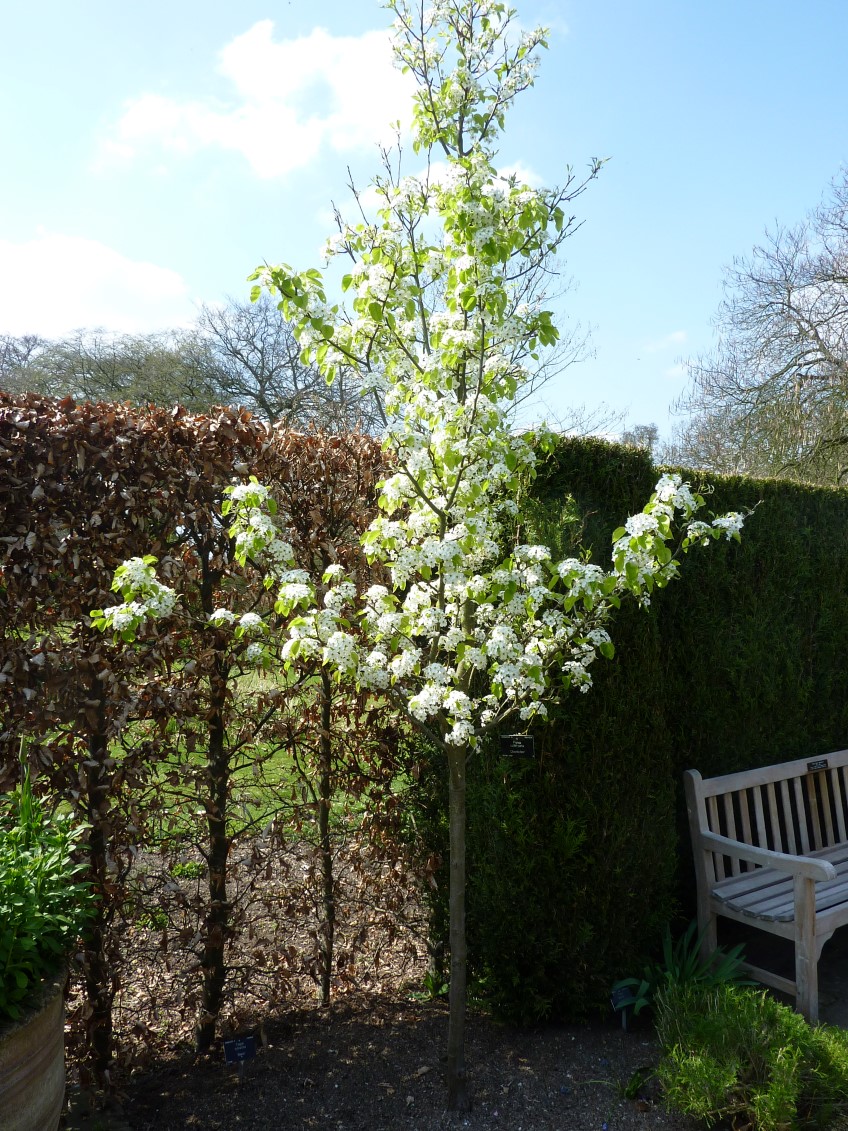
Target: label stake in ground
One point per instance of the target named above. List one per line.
(238, 1051)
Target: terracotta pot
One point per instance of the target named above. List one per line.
(32, 1065)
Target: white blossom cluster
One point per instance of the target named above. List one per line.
(729, 524)
(445, 324)
(458, 607)
(144, 596)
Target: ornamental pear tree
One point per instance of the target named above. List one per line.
(447, 324)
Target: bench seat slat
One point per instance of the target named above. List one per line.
(767, 894)
(779, 905)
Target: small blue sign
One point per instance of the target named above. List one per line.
(243, 1048)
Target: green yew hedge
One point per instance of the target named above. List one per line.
(580, 856)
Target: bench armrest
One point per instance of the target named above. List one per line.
(781, 861)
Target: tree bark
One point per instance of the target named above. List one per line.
(100, 981)
(458, 1096)
(328, 926)
(217, 916)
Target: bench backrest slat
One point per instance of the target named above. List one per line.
(789, 826)
(798, 807)
(823, 786)
(746, 799)
(730, 821)
(713, 823)
(776, 834)
(837, 782)
(759, 815)
(800, 815)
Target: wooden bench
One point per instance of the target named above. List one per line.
(771, 850)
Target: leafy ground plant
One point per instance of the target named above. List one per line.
(682, 965)
(732, 1053)
(44, 906)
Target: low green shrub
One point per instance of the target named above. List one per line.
(730, 1051)
(44, 907)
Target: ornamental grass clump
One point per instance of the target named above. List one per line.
(736, 1054)
(682, 964)
(44, 906)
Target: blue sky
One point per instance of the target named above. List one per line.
(155, 153)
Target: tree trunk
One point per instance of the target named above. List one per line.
(458, 1097)
(217, 915)
(99, 976)
(328, 926)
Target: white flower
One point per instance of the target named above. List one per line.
(730, 523)
(438, 673)
(403, 665)
(340, 651)
(426, 703)
(531, 554)
(161, 602)
(641, 524)
(254, 493)
(222, 616)
(122, 616)
(336, 598)
(699, 532)
(294, 592)
(458, 704)
(461, 733)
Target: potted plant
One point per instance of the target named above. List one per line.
(44, 906)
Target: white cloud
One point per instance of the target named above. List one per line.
(675, 372)
(675, 338)
(54, 283)
(524, 174)
(291, 99)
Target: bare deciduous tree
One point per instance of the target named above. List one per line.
(242, 355)
(772, 397)
(96, 365)
(252, 355)
(16, 355)
(641, 436)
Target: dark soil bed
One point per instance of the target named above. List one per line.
(375, 1062)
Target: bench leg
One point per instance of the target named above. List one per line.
(707, 926)
(806, 952)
